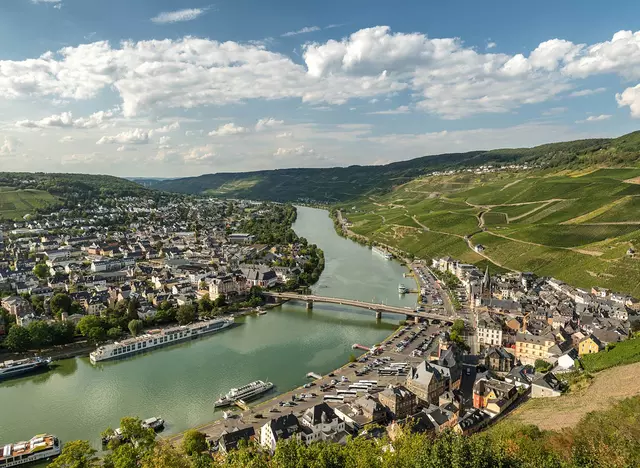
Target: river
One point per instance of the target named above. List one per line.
(180, 383)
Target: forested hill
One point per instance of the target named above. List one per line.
(69, 185)
(346, 183)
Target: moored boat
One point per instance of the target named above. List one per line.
(402, 289)
(40, 448)
(10, 369)
(158, 338)
(246, 392)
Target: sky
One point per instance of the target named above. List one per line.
(168, 88)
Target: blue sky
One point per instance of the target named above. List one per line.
(173, 88)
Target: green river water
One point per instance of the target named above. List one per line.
(180, 383)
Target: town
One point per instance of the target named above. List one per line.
(68, 273)
(82, 281)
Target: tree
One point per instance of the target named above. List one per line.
(135, 327)
(220, 301)
(40, 333)
(205, 304)
(18, 339)
(186, 314)
(60, 303)
(114, 333)
(132, 308)
(194, 442)
(164, 455)
(97, 335)
(41, 271)
(76, 454)
(542, 366)
(88, 322)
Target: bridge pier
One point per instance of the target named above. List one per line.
(309, 305)
(378, 315)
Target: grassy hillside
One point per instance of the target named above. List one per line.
(575, 225)
(14, 204)
(346, 183)
(24, 193)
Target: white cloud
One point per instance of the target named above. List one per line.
(57, 6)
(46, 1)
(187, 14)
(66, 120)
(297, 151)
(164, 140)
(229, 129)
(620, 55)
(444, 76)
(264, 124)
(305, 30)
(587, 92)
(9, 146)
(199, 154)
(491, 45)
(136, 136)
(284, 135)
(595, 118)
(66, 139)
(167, 128)
(396, 111)
(630, 97)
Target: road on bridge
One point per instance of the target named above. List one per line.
(361, 304)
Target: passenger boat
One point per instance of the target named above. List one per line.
(402, 289)
(383, 253)
(39, 448)
(158, 338)
(10, 369)
(246, 392)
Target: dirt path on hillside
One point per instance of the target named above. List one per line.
(607, 388)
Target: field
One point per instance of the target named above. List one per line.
(576, 226)
(14, 204)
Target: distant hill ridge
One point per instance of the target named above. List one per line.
(345, 183)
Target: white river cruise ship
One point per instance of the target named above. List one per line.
(246, 392)
(156, 338)
(39, 448)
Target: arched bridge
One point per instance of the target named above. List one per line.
(378, 308)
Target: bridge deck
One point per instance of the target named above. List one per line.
(356, 303)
